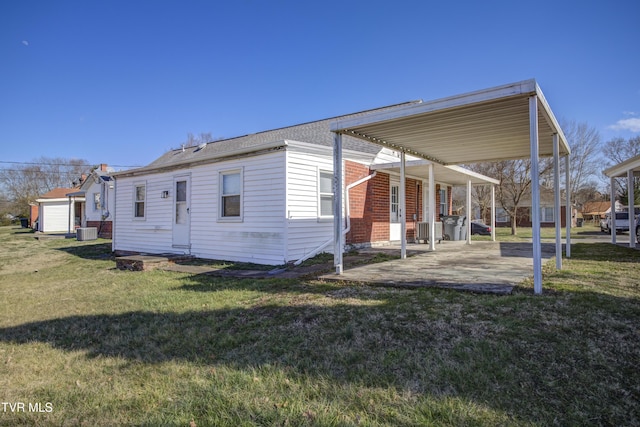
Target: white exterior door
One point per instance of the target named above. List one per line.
(182, 212)
(394, 211)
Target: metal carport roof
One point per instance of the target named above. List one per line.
(627, 169)
(487, 125)
(513, 121)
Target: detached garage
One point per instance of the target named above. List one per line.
(58, 212)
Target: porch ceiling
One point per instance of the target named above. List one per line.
(487, 125)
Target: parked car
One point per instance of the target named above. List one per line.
(478, 228)
(622, 223)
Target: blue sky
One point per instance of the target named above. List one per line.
(121, 82)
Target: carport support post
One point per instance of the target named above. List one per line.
(432, 209)
(535, 195)
(493, 213)
(612, 215)
(632, 209)
(468, 225)
(337, 202)
(556, 200)
(569, 207)
(403, 207)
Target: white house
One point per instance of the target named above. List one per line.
(268, 197)
(98, 191)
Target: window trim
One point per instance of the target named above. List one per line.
(136, 185)
(320, 193)
(221, 195)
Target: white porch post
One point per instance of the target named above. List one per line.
(493, 212)
(535, 195)
(613, 210)
(556, 200)
(569, 207)
(71, 215)
(432, 209)
(403, 207)
(468, 211)
(337, 203)
(632, 210)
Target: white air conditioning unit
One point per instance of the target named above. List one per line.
(423, 231)
(87, 233)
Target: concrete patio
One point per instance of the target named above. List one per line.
(486, 267)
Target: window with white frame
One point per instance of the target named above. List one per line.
(140, 195)
(443, 203)
(96, 202)
(325, 193)
(231, 194)
(546, 214)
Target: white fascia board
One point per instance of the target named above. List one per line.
(60, 199)
(551, 120)
(621, 169)
(473, 174)
(396, 165)
(528, 87)
(454, 168)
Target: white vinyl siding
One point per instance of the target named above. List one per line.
(258, 238)
(306, 230)
(280, 206)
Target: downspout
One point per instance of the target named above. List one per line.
(317, 250)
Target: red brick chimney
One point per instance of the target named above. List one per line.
(103, 167)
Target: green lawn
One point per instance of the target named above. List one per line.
(96, 346)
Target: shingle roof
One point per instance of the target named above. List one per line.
(317, 132)
(58, 193)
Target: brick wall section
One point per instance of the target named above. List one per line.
(369, 205)
(360, 203)
(105, 228)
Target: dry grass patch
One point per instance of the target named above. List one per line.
(109, 347)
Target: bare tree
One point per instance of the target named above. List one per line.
(23, 183)
(195, 140)
(586, 159)
(618, 150)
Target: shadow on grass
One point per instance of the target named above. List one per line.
(604, 251)
(511, 358)
(98, 250)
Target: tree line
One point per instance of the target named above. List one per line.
(589, 157)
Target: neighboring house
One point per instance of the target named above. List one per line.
(59, 211)
(595, 211)
(98, 190)
(547, 214)
(268, 197)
